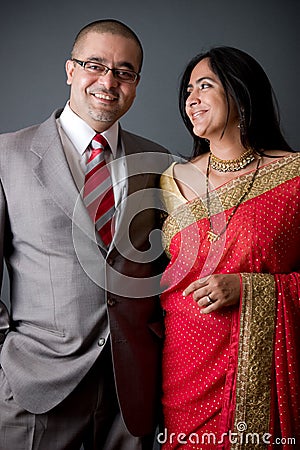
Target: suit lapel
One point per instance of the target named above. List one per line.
(53, 173)
(137, 180)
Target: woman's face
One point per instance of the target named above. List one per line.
(206, 104)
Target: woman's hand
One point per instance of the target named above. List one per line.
(215, 292)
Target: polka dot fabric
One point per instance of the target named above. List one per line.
(263, 237)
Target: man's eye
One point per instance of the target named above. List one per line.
(124, 74)
(95, 67)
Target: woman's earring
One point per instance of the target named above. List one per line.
(241, 124)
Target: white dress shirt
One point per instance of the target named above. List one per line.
(76, 136)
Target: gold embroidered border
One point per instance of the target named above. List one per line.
(269, 177)
(257, 326)
(227, 196)
(184, 216)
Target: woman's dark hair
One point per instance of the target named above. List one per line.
(245, 81)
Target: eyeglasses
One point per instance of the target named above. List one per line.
(98, 69)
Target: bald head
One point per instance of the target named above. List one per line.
(107, 26)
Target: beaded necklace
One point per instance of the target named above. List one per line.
(232, 165)
(211, 235)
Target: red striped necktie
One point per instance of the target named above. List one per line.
(98, 193)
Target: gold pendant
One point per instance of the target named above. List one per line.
(212, 237)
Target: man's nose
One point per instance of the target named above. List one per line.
(108, 79)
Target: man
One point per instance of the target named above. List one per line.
(81, 349)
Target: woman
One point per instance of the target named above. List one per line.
(231, 290)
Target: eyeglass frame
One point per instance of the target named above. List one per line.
(107, 69)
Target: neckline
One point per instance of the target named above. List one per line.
(281, 160)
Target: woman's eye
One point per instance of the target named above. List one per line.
(204, 85)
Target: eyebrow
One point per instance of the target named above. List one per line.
(199, 81)
(126, 64)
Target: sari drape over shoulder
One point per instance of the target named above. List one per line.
(231, 378)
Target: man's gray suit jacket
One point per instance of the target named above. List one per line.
(67, 296)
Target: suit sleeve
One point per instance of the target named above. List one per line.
(4, 316)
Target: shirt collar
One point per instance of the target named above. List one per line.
(81, 134)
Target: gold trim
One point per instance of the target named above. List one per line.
(170, 192)
(184, 216)
(255, 358)
(269, 176)
(226, 197)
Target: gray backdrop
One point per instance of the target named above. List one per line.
(36, 37)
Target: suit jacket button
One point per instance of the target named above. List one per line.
(111, 302)
(101, 342)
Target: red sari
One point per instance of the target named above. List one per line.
(231, 379)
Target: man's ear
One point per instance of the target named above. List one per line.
(69, 66)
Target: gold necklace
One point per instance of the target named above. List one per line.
(211, 235)
(232, 165)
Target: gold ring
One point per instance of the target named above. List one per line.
(210, 301)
